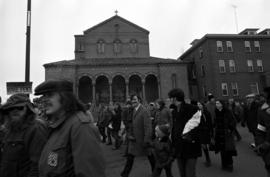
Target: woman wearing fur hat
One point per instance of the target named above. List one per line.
(24, 138)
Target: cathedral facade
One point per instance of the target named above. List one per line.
(112, 61)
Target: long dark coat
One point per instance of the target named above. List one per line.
(142, 130)
(183, 148)
(206, 127)
(263, 133)
(224, 126)
(250, 116)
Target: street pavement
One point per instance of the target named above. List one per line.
(246, 163)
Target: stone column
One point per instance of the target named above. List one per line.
(127, 90)
(143, 90)
(94, 92)
(110, 83)
(159, 89)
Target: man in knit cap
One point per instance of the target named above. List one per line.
(24, 138)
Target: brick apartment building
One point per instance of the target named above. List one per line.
(229, 65)
(112, 61)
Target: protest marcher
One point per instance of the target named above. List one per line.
(141, 127)
(211, 106)
(72, 148)
(185, 134)
(102, 122)
(250, 116)
(224, 135)
(206, 131)
(162, 151)
(263, 131)
(116, 125)
(163, 114)
(23, 140)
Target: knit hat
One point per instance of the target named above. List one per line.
(17, 100)
(54, 86)
(164, 129)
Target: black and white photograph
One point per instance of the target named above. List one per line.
(145, 88)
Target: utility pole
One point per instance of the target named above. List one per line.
(28, 33)
(235, 17)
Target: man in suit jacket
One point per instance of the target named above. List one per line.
(141, 127)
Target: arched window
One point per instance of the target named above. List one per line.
(100, 46)
(133, 46)
(117, 46)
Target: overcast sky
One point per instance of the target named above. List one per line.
(173, 24)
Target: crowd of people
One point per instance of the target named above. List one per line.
(57, 135)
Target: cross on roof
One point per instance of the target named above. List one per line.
(116, 12)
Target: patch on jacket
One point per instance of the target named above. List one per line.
(52, 159)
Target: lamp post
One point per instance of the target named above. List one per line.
(28, 33)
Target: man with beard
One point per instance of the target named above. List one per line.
(24, 138)
(72, 149)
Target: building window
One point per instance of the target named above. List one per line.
(133, 46)
(117, 46)
(254, 88)
(229, 46)
(219, 46)
(259, 65)
(204, 91)
(250, 66)
(201, 52)
(100, 46)
(193, 72)
(257, 46)
(234, 88)
(224, 88)
(232, 66)
(247, 46)
(222, 68)
(203, 70)
(174, 81)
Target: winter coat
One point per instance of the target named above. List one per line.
(20, 151)
(250, 116)
(205, 128)
(224, 128)
(141, 125)
(263, 133)
(116, 120)
(72, 149)
(210, 106)
(104, 118)
(184, 148)
(163, 116)
(162, 151)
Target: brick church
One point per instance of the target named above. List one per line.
(112, 61)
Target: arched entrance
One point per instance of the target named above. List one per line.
(118, 89)
(151, 88)
(102, 90)
(135, 85)
(85, 89)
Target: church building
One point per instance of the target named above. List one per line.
(112, 61)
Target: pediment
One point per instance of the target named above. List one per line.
(116, 23)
